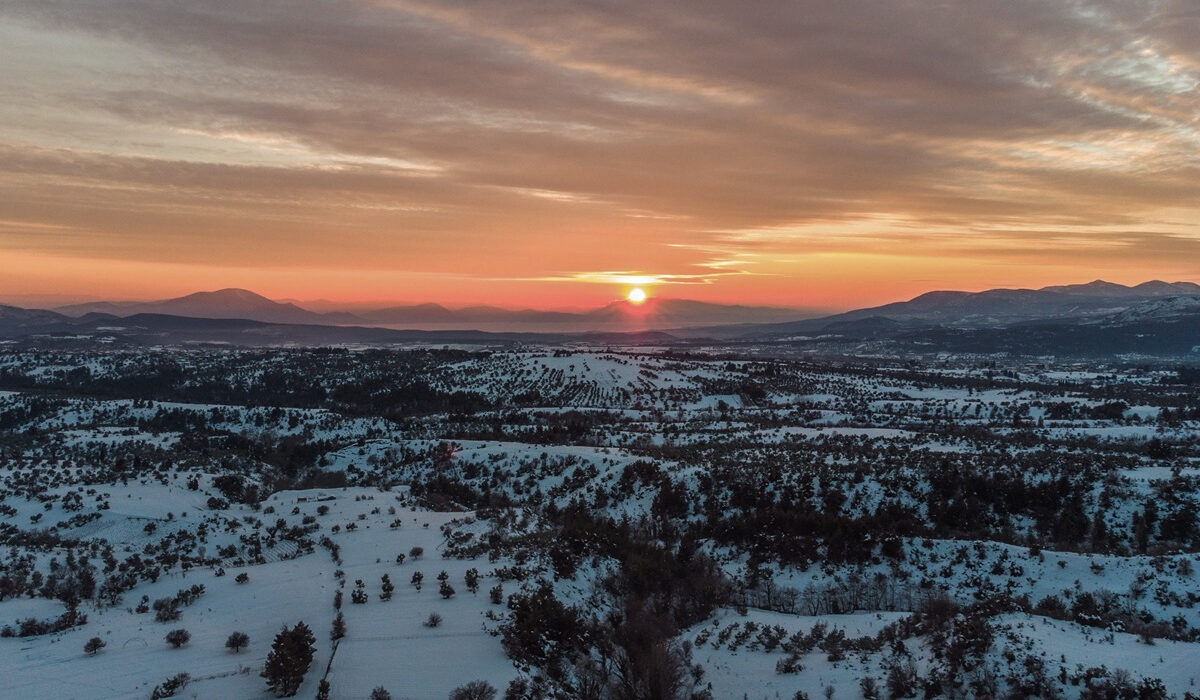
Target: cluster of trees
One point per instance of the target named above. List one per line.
(168, 609)
(32, 627)
(659, 588)
(71, 580)
(392, 383)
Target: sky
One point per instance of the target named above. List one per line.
(823, 155)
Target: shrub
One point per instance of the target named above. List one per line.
(166, 610)
(178, 638)
(171, 686)
(870, 691)
(433, 620)
(237, 641)
(475, 690)
(541, 628)
(902, 680)
(94, 645)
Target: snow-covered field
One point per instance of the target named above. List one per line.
(1051, 510)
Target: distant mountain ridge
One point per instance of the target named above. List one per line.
(1098, 319)
(994, 308)
(1101, 288)
(222, 303)
(51, 329)
(618, 316)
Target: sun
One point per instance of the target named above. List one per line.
(636, 295)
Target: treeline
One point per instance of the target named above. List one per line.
(386, 383)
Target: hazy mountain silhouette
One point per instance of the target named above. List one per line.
(996, 307)
(620, 316)
(223, 303)
(1097, 318)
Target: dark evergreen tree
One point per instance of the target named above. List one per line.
(291, 654)
(1099, 532)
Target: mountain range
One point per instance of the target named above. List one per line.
(223, 303)
(1095, 319)
(993, 308)
(620, 316)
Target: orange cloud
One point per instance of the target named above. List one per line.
(539, 155)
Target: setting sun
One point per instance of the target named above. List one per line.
(636, 295)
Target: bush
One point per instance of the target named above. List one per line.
(237, 641)
(31, 626)
(475, 690)
(178, 638)
(541, 628)
(380, 693)
(902, 680)
(870, 691)
(94, 645)
(171, 686)
(433, 620)
(166, 610)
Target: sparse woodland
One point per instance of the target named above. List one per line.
(643, 524)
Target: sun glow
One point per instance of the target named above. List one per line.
(636, 295)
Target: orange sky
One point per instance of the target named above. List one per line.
(806, 154)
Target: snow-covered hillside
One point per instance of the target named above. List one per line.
(610, 524)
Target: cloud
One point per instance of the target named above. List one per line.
(512, 139)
